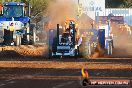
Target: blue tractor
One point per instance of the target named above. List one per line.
(15, 24)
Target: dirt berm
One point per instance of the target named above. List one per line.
(26, 50)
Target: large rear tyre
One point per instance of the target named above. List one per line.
(32, 34)
(50, 54)
(54, 45)
(84, 49)
(26, 36)
(52, 42)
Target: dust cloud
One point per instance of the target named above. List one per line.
(122, 40)
(60, 11)
(85, 22)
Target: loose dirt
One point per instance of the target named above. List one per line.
(25, 50)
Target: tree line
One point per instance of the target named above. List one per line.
(40, 6)
(37, 6)
(118, 3)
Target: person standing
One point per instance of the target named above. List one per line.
(11, 28)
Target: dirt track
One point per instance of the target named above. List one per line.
(122, 46)
(58, 73)
(67, 65)
(26, 67)
(18, 71)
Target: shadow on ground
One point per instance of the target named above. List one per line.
(67, 72)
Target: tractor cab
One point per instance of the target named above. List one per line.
(14, 11)
(15, 16)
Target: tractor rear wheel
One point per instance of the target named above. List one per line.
(84, 49)
(32, 34)
(26, 37)
(52, 39)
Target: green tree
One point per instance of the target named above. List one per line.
(39, 6)
(118, 3)
(113, 3)
(127, 4)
